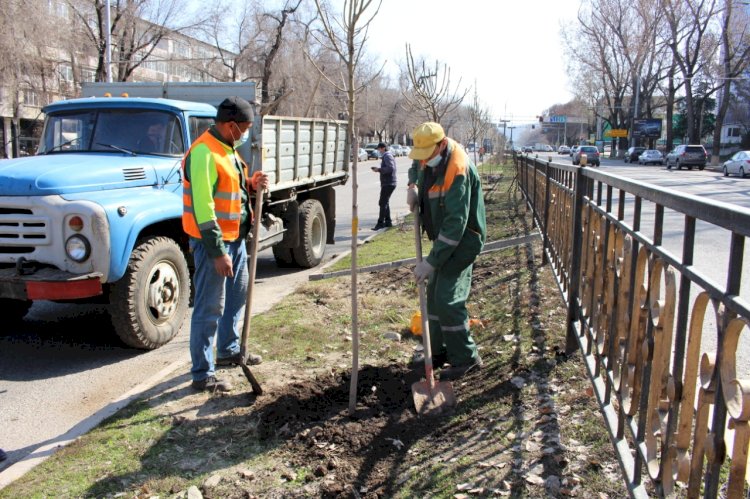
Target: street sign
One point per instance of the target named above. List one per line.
(616, 132)
(558, 119)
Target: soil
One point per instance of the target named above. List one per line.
(496, 441)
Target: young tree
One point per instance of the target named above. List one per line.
(479, 122)
(346, 37)
(430, 91)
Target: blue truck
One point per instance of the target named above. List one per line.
(95, 215)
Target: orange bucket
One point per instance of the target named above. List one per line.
(416, 324)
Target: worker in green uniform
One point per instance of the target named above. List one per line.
(445, 187)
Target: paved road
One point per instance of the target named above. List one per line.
(711, 243)
(65, 364)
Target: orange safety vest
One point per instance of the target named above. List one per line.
(227, 197)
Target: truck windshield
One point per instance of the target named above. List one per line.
(113, 130)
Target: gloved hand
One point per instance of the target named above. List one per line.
(412, 198)
(259, 179)
(423, 271)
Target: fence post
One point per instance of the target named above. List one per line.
(571, 341)
(534, 214)
(545, 237)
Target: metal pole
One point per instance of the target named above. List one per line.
(635, 109)
(108, 45)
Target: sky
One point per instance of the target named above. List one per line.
(511, 49)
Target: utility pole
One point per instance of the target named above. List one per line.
(635, 110)
(511, 135)
(504, 122)
(108, 43)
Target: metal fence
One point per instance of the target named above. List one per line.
(663, 343)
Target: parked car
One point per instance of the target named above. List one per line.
(738, 164)
(528, 149)
(592, 155)
(372, 150)
(651, 156)
(687, 156)
(632, 154)
(563, 150)
(361, 155)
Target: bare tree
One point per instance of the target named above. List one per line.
(136, 29)
(479, 122)
(689, 39)
(620, 59)
(430, 90)
(346, 37)
(29, 31)
(735, 58)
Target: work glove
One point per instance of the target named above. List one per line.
(423, 271)
(412, 199)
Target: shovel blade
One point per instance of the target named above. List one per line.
(432, 400)
(257, 390)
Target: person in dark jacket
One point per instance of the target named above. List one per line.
(387, 172)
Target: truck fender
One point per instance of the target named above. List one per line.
(155, 213)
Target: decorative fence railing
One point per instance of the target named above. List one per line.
(665, 346)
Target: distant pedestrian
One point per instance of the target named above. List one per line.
(387, 172)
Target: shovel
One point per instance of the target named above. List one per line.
(257, 390)
(430, 396)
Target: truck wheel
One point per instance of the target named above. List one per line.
(312, 222)
(284, 257)
(14, 310)
(148, 305)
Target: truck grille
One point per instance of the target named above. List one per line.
(21, 231)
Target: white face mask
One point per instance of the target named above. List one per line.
(435, 161)
(243, 137)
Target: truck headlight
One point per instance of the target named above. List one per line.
(78, 248)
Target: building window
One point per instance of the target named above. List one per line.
(66, 72)
(31, 98)
(88, 74)
(733, 132)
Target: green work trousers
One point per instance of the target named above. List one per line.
(447, 291)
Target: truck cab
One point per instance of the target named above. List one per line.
(96, 215)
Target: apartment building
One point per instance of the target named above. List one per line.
(175, 57)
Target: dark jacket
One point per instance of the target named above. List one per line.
(387, 169)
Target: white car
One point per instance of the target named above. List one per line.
(738, 164)
(563, 150)
(651, 156)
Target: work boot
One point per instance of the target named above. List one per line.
(455, 372)
(438, 360)
(211, 384)
(3, 455)
(232, 360)
(378, 226)
(388, 224)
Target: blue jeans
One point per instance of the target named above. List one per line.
(218, 308)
